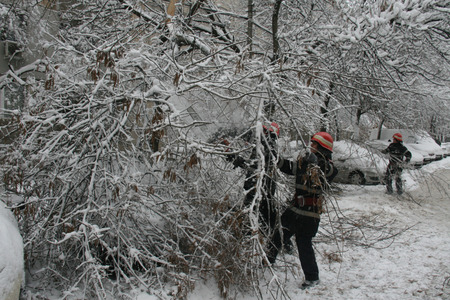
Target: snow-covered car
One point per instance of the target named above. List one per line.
(423, 143)
(419, 141)
(11, 257)
(417, 159)
(358, 164)
(446, 148)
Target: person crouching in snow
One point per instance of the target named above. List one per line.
(398, 153)
(313, 171)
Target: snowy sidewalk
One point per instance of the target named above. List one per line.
(413, 265)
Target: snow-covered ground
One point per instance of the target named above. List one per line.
(414, 264)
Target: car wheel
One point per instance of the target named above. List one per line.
(356, 177)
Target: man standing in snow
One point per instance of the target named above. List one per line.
(313, 171)
(267, 207)
(397, 154)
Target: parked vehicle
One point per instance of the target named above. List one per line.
(424, 143)
(419, 141)
(446, 148)
(358, 164)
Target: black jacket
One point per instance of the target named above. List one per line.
(312, 173)
(397, 152)
(251, 166)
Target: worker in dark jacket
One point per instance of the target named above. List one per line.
(313, 172)
(267, 207)
(398, 154)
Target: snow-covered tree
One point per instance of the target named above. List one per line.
(118, 154)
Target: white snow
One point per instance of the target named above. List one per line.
(11, 255)
(413, 265)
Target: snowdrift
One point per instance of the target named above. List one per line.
(11, 258)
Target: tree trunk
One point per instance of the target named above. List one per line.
(276, 45)
(379, 129)
(250, 27)
(324, 108)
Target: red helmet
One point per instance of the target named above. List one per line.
(398, 137)
(324, 139)
(274, 127)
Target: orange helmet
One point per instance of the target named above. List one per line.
(324, 139)
(398, 137)
(274, 127)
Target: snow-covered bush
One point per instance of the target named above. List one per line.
(117, 156)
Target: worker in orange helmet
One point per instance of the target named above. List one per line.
(398, 154)
(313, 172)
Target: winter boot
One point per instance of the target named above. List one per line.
(309, 283)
